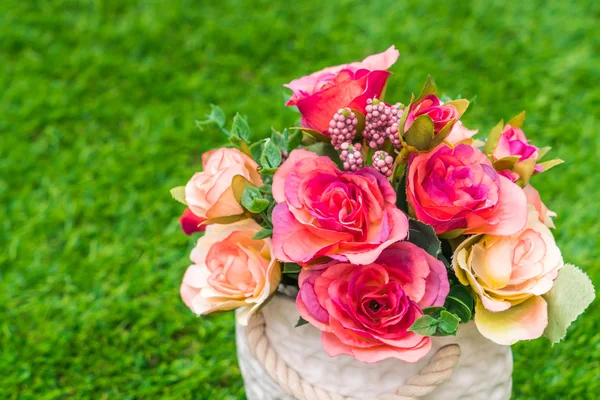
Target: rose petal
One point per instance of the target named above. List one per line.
(525, 321)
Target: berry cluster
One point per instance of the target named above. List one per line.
(383, 162)
(351, 156)
(342, 127)
(381, 122)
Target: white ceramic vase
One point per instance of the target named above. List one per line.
(483, 371)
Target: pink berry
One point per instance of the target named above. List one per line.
(383, 162)
(342, 127)
(351, 156)
(381, 122)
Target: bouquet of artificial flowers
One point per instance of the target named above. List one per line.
(392, 221)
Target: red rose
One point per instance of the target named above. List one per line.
(320, 95)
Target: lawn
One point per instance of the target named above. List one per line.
(97, 107)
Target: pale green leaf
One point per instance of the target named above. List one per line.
(551, 164)
(425, 325)
(420, 133)
(428, 88)
(571, 294)
(493, 138)
(178, 194)
(518, 120)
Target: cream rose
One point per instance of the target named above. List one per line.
(509, 274)
(209, 194)
(230, 270)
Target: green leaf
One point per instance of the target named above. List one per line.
(457, 307)
(420, 133)
(433, 311)
(253, 200)
(236, 140)
(428, 88)
(294, 140)
(360, 126)
(506, 163)
(493, 138)
(178, 194)
(464, 294)
(448, 323)
(271, 156)
(325, 149)
(460, 302)
(256, 149)
(268, 171)
(263, 234)
(425, 325)
(240, 128)
(266, 189)
(442, 134)
(518, 120)
(423, 235)
(301, 321)
(401, 201)
(316, 135)
(525, 170)
(291, 268)
(452, 234)
(216, 116)
(238, 186)
(279, 140)
(570, 295)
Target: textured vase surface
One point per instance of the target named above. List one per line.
(483, 371)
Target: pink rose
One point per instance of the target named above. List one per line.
(508, 275)
(320, 95)
(440, 114)
(459, 133)
(209, 194)
(230, 270)
(365, 311)
(322, 211)
(458, 189)
(533, 198)
(513, 142)
(190, 222)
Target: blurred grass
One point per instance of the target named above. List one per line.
(97, 107)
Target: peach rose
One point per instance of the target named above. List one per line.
(459, 133)
(509, 275)
(365, 311)
(325, 212)
(209, 194)
(230, 271)
(457, 189)
(533, 198)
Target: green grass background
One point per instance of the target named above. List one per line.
(97, 107)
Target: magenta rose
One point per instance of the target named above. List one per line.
(365, 311)
(322, 211)
(440, 114)
(320, 95)
(513, 142)
(459, 190)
